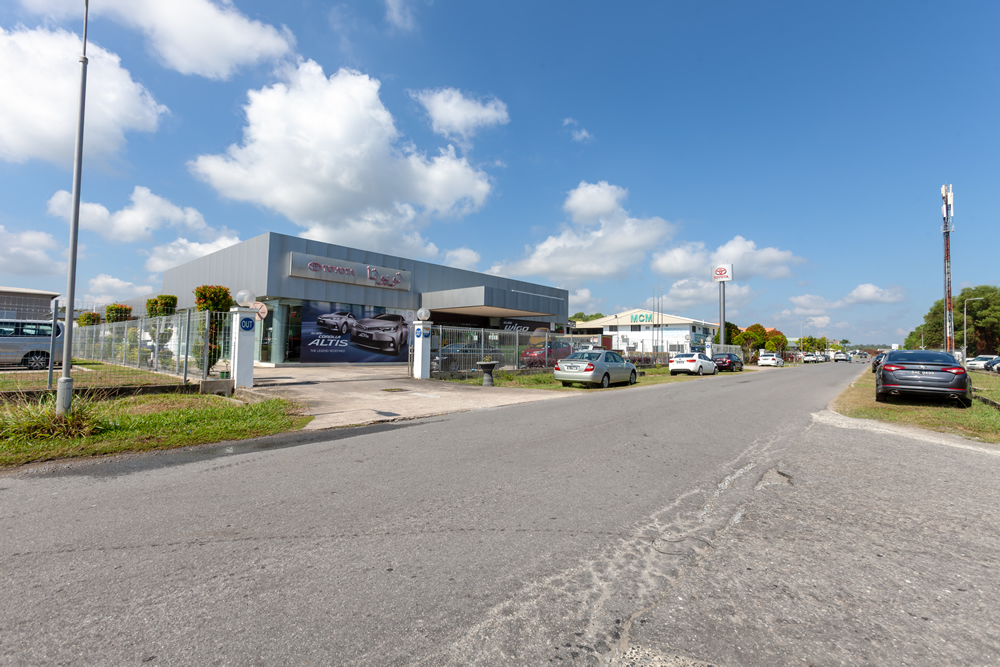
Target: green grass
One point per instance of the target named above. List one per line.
(986, 384)
(87, 374)
(980, 421)
(30, 431)
(545, 380)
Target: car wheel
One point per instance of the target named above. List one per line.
(672, 373)
(701, 371)
(343, 329)
(965, 401)
(605, 381)
(715, 371)
(880, 397)
(631, 378)
(36, 361)
(566, 384)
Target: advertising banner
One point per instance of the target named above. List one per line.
(350, 333)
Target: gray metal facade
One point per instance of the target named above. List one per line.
(261, 264)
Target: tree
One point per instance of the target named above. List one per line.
(582, 317)
(732, 331)
(983, 327)
(754, 338)
(776, 342)
(88, 318)
(165, 304)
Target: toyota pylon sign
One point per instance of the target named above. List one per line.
(722, 273)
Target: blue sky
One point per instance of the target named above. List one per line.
(595, 146)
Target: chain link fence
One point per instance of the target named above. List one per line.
(154, 350)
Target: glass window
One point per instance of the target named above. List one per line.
(613, 327)
(636, 327)
(6, 328)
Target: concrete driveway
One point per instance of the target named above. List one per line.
(349, 395)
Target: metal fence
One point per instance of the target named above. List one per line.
(458, 350)
(156, 350)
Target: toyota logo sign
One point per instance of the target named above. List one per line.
(722, 273)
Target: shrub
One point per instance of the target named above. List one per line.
(214, 298)
(88, 318)
(25, 420)
(117, 312)
(165, 304)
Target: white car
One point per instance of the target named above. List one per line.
(842, 356)
(770, 359)
(979, 363)
(810, 358)
(693, 363)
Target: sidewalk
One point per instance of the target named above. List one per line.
(349, 395)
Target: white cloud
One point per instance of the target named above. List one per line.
(40, 80)
(748, 261)
(105, 289)
(582, 135)
(146, 213)
(458, 117)
(685, 260)
(175, 253)
(27, 254)
(462, 258)
(610, 249)
(569, 121)
(324, 152)
(689, 293)
(400, 14)
(590, 202)
(868, 293)
(210, 39)
(820, 322)
(583, 300)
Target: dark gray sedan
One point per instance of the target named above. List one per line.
(922, 373)
(595, 367)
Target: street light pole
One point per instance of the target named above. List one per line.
(965, 322)
(64, 389)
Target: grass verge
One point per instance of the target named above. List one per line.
(986, 384)
(85, 374)
(30, 431)
(980, 422)
(546, 380)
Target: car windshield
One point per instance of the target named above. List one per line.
(920, 356)
(586, 356)
(683, 356)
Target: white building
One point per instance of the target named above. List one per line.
(640, 331)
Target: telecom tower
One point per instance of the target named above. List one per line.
(947, 211)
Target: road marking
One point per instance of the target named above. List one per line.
(427, 395)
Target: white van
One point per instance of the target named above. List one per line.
(26, 343)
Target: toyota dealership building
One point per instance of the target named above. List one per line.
(311, 289)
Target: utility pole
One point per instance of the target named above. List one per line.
(64, 388)
(947, 211)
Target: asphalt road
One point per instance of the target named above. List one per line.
(730, 520)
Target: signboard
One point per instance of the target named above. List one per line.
(522, 325)
(261, 309)
(345, 333)
(315, 267)
(722, 273)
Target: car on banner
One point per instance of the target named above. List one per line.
(464, 357)
(341, 321)
(598, 367)
(386, 333)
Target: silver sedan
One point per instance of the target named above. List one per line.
(600, 367)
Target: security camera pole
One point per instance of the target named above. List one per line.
(947, 211)
(64, 389)
(722, 274)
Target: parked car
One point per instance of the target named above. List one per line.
(993, 365)
(922, 373)
(342, 321)
(386, 333)
(600, 367)
(26, 343)
(693, 363)
(727, 361)
(464, 357)
(809, 358)
(842, 356)
(877, 360)
(541, 354)
(979, 363)
(770, 359)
